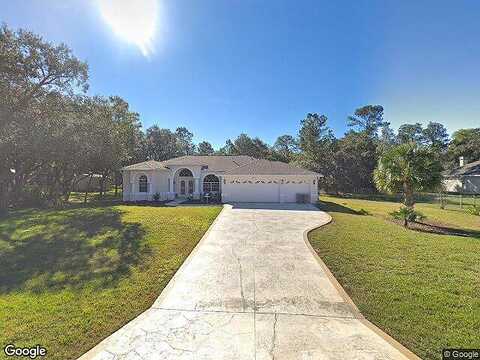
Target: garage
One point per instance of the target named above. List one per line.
(289, 191)
(251, 192)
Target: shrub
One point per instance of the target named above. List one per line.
(156, 197)
(474, 210)
(407, 214)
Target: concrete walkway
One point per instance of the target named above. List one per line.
(252, 289)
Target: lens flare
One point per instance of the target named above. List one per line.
(133, 21)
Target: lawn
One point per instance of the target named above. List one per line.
(69, 278)
(421, 288)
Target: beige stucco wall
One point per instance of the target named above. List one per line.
(157, 183)
(272, 188)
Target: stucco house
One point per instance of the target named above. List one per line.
(228, 178)
(465, 179)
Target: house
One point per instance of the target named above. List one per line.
(228, 178)
(91, 182)
(464, 180)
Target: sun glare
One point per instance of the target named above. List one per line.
(133, 21)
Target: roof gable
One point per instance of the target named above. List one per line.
(472, 168)
(267, 167)
(145, 165)
(212, 162)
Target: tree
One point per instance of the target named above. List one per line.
(227, 149)
(184, 141)
(317, 144)
(285, 147)
(245, 145)
(436, 135)
(466, 143)
(205, 148)
(34, 75)
(368, 119)
(408, 168)
(30, 68)
(387, 139)
(355, 158)
(411, 133)
(160, 144)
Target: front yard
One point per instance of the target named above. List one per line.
(421, 288)
(69, 278)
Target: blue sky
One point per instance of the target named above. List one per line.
(221, 68)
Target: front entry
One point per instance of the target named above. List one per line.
(184, 183)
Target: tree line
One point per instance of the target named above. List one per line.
(51, 132)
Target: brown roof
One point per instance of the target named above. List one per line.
(472, 168)
(230, 164)
(146, 165)
(213, 162)
(267, 167)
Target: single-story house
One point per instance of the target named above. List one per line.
(228, 178)
(91, 182)
(464, 180)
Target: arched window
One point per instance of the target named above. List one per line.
(211, 183)
(185, 173)
(142, 184)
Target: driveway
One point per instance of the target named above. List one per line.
(252, 289)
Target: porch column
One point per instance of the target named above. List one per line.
(196, 190)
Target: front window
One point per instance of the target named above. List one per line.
(185, 173)
(143, 184)
(211, 183)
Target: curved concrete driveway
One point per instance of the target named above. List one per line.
(251, 289)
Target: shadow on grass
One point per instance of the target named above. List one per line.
(334, 207)
(51, 250)
(443, 230)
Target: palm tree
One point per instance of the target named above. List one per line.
(406, 169)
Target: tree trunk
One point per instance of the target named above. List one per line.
(408, 195)
(4, 197)
(5, 180)
(88, 188)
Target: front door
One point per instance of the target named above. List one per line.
(182, 187)
(190, 187)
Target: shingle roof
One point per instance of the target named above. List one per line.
(213, 162)
(146, 165)
(472, 168)
(267, 167)
(230, 164)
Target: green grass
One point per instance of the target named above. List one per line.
(422, 289)
(69, 278)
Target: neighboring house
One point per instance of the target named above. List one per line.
(87, 182)
(465, 179)
(228, 178)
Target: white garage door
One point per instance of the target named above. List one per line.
(264, 192)
(289, 192)
(252, 192)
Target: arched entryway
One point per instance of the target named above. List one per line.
(184, 182)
